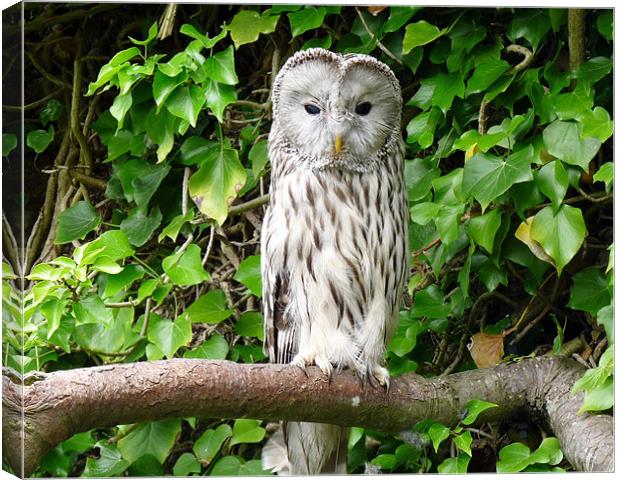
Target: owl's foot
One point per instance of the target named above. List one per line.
(380, 374)
(321, 361)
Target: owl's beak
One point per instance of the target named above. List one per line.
(338, 144)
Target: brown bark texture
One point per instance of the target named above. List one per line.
(63, 403)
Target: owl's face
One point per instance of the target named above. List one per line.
(340, 108)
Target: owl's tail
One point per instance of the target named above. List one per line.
(302, 448)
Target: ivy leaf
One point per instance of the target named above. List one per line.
(140, 179)
(217, 182)
(39, 140)
(486, 176)
(9, 142)
(139, 226)
(250, 324)
(430, 303)
(76, 222)
(209, 308)
(163, 86)
(110, 462)
(186, 102)
(206, 42)
(249, 274)
(154, 438)
(246, 431)
(149, 38)
(552, 181)
(560, 234)
(599, 398)
(176, 224)
(185, 268)
(160, 128)
(112, 244)
(463, 442)
(475, 408)
(129, 274)
(548, 452)
(605, 174)
(446, 88)
(420, 33)
(247, 25)
(121, 105)
(564, 141)
(185, 465)
(215, 348)
(51, 112)
(169, 336)
(306, 19)
(398, 17)
(438, 433)
(386, 461)
(597, 123)
(485, 74)
(590, 291)
(456, 464)
(218, 96)
(531, 24)
(594, 69)
(482, 229)
(221, 67)
(513, 458)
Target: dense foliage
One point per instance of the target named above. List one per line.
(151, 137)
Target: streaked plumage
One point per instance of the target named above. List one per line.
(334, 238)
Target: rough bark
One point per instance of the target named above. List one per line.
(67, 402)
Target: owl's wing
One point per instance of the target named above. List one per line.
(281, 331)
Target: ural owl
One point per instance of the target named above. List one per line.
(334, 237)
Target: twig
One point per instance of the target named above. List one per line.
(185, 190)
(44, 72)
(147, 314)
(249, 205)
(528, 57)
(30, 106)
(426, 247)
(209, 245)
(372, 36)
(87, 180)
(85, 155)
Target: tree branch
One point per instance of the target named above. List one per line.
(67, 402)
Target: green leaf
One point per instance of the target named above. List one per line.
(605, 25)
(190, 31)
(419, 173)
(457, 464)
(119, 144)
(306, 19)
(531, 24)
(163, 86)
(600, 398)
(398, 17)
(120, 107)
(112, 244)
(9, 142)
(169, 336)
(430, 303)
(176, 224)
(53, 310)
(221, 67)
(446, 88)
(229, 466)
(552, 181)
(485, 75)
(146, 466)
(215, 348)
(548, 452)
(605, 317)
(149, 38)
(154, 438)
(325, 42)
(186, 102)
(482, 229)
(594, 69)
(247, 431)
(185, 268)
(564, 141)
(247, 25)
(561, 234)
(110, 463)
(438, 433)
(463, 442)
(160, 128)
(209, 308)
(486, 176)
(39, 140)
(513, 458)
(589, 291)
(139, 226)
(418, 34)
(597, 123)
(140, 179)
(387, 461)
(218, 96)
(249, 274)
(51, 112)
(76, 222)
(211, 441)
(129, 274)
(447, 222)
(185, 465)
(217, 182)
(105, 265)
(475, 408)
(124, 56)
(250, 324)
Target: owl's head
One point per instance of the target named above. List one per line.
(337, 109)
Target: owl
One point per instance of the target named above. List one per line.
(334, 235)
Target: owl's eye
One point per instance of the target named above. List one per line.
(312, 109)
(363, 108)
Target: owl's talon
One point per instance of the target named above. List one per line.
(382, 376)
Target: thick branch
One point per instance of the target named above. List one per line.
(67, 402)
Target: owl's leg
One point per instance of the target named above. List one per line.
(304, 359)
